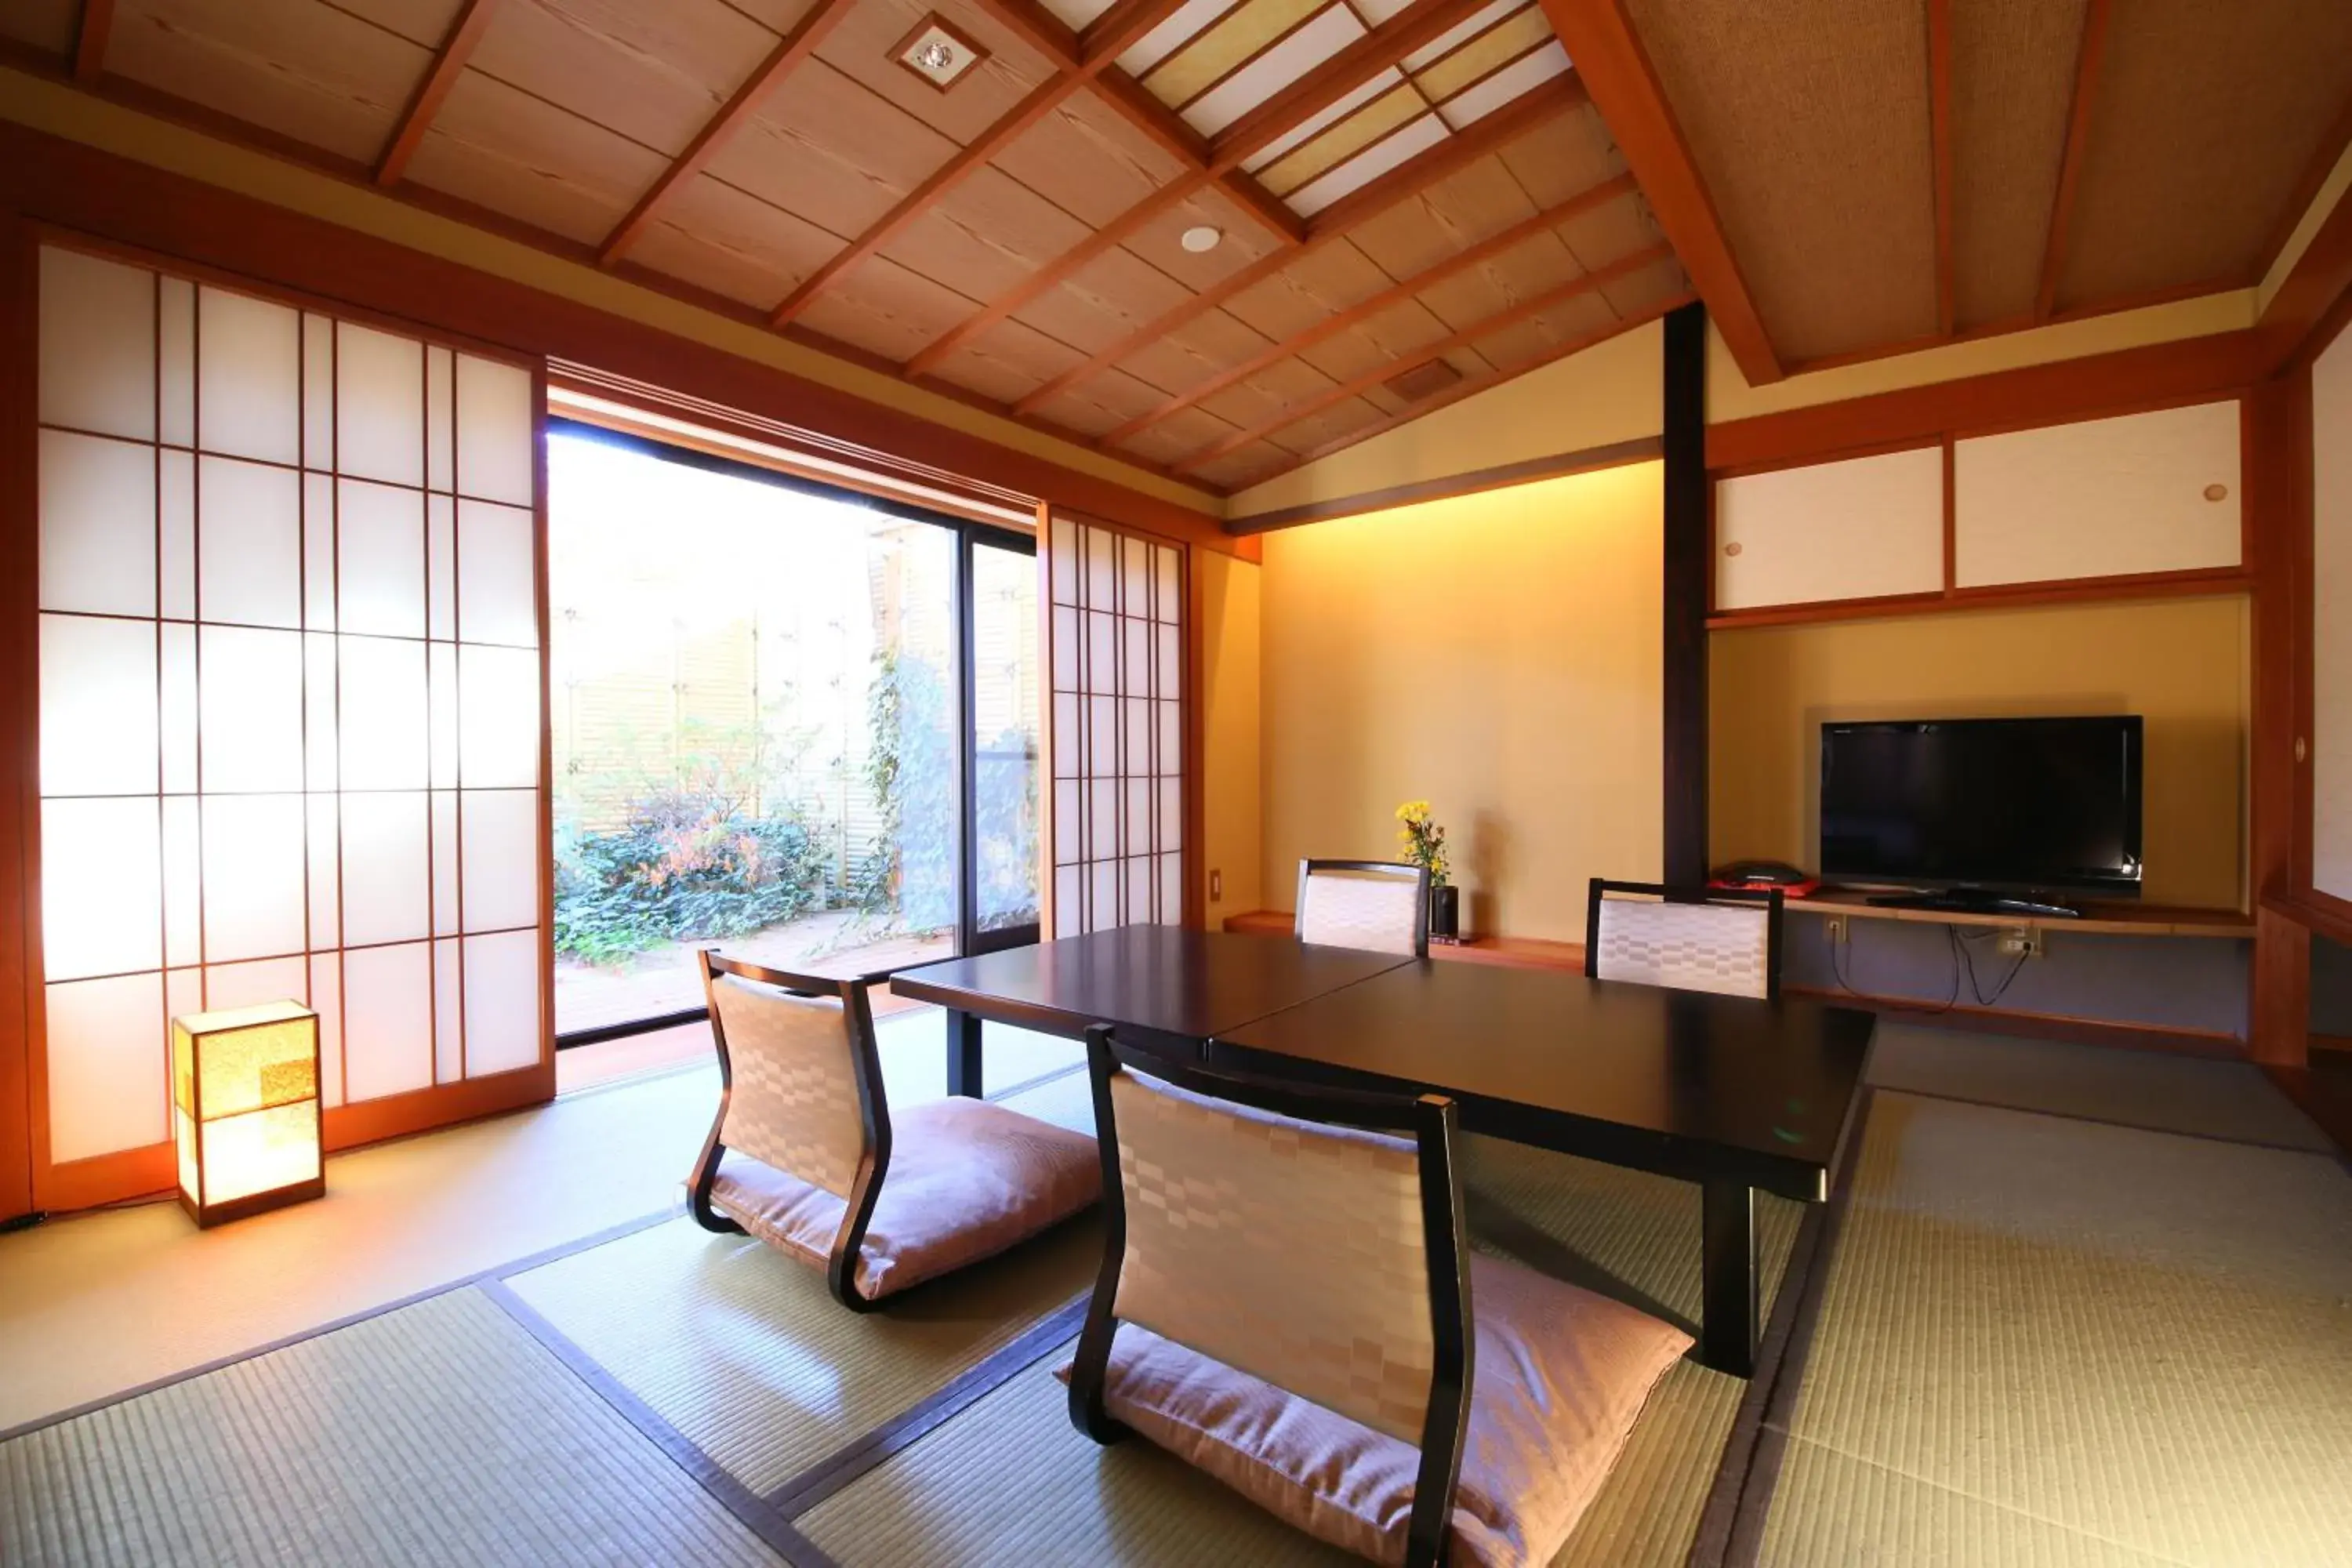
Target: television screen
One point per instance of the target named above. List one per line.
(2008, 806)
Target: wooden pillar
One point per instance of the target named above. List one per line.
(2278, 473)
(1687, 545)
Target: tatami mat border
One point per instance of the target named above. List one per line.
(2269, 1144)
(756, 1513)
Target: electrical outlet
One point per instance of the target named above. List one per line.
(2020, 942)
(1836, 925)
(1216, 886)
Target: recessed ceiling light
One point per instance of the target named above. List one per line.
(1201, 237)
(939, 51)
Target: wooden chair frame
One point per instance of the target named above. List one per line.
(873, 1105)
(1433, 1123)
(1394, 868)
(1771, 898)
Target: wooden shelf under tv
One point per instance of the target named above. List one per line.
(2097, 919)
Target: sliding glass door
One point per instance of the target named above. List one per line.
(788, 720)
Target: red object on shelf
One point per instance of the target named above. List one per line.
(1804, 890)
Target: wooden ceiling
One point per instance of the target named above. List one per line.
(1847, 178)
(1414, 199)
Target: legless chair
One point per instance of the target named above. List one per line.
(1374, 904)
(1692, 939)
(1287, 1301)
(806, 1155)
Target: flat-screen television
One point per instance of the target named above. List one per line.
(2016, 808)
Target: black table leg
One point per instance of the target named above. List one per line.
(963, 1053)
(1727, 1334)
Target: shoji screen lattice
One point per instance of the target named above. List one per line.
(1119, 728)
(289, 694)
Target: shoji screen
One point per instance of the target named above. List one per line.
(1118, 638)
(289, 694)
(2331, 618)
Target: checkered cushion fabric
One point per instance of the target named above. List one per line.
(795, 1102)
(1723, 948)
(1291, 1251)
(1362, 909)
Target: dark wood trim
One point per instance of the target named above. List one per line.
(1375, 52)
(2087, 61)
(1193, 775)
(2324, 1097)
(793, 47)
(93, 192)
(1501, 951)
(1395, 293)
(2037, 1025)
(91, 38)
(1609, 55)
(1939, 139)
(1590, 459)
(2218, 364)
(444, 1105)
(19, 716)
(2199, 583)
(1356, 386)
(1471, 386)
(2276, 478)
(1688, 544)
(448, 64)
(1335, 222)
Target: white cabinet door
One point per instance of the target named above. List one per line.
(2105, 498)
(2331, 619)
(1862, 529)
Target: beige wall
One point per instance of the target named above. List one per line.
(1497, 655)
(2181, 663)
(1232, 833)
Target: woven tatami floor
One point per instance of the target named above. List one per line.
(2027, 1337)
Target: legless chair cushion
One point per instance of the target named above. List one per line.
(1724, 948)
(1362, 909)
(1558, 1378)
(967, 1179)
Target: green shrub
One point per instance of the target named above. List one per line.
(687, 865)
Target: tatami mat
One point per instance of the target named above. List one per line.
(1636, 1236)
(739, 1348)
(438, 1433)
(1067, 1099)
(2138, 1338)
(2165, 1093)
(1011, 1481)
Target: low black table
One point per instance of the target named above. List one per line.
(1166, 987)
(1734, 1094)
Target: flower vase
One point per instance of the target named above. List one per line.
(1445, 912)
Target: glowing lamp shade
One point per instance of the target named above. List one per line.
(245, 1093)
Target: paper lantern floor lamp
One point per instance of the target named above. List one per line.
(245, 1091)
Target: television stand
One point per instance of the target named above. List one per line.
(1963, 901)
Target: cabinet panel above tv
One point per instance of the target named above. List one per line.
(2141, 494)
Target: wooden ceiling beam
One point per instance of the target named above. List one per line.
(1625, 89)
(790, 50)
(1131, 22)
(1462, 389)
(1939, 140)
(1396, 293)
(449, 65)
(1376, 51)
(1128, 97)
(1040, 29)
(1356, 385)
(1335, 222)
(2087, 62)
(90, 40)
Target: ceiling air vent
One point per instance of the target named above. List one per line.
(1432, 375)
(939, 51)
